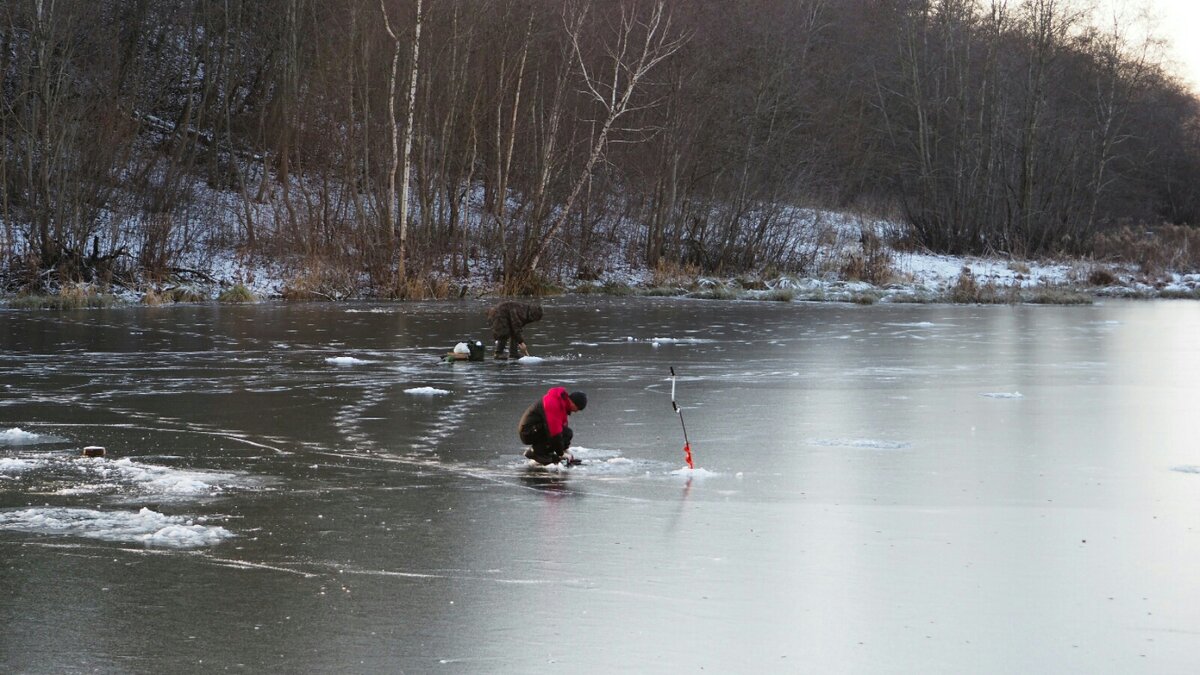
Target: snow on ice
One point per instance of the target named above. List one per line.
(144, 526)
(345, 361)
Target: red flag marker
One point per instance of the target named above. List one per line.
(687, 447)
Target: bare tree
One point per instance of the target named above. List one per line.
(639, 45)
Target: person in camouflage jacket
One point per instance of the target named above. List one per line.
(507, 319)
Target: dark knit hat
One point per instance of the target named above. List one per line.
(579, 399)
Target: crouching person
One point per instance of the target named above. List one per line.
(544, 426)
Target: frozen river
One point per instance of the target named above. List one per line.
(884, 489)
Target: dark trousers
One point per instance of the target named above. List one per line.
(546, 450)
(513, 350)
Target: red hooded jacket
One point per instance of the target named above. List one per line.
(557, 404)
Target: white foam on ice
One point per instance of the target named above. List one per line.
(426, 391)
(531, 360)
(144, 526)
(18, 436)
(345, 361)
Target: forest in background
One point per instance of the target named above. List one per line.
(398, 139)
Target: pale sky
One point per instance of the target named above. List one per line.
(1177, 21)
(1180, 24)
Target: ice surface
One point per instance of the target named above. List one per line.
(143, 526)
(855, 502)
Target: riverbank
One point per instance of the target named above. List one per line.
(898, 277)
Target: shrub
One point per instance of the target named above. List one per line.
(1101, 276)
(669, 273)
(779, 295)
(152, 298)
(236, 294)
(185, 294)
(1153, 249)
(967, 290)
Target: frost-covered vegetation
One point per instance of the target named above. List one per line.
(787, 149)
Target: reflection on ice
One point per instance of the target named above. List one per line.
(145, 526)
(866, 443)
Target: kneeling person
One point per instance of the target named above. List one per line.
(544, 426)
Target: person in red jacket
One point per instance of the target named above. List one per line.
(544, 426)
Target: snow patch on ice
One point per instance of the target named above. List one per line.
(345, 361)
(1003, 394)
(698, 472)
(426, 391)
(531, 360)
(10, 466)
(86, 475)
(165, 480)
(18, 436)
(867, 443)
(1186, 468)
(145, 526)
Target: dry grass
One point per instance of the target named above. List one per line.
(968, 290)
(73, 296)
(322, 280)
(236, 294)
(153, 298)
(669, 273)
(1153, 249)
(1052, 295)
(872, 263)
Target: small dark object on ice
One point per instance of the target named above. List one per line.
(93, 451)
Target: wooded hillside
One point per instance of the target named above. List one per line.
(410, 137)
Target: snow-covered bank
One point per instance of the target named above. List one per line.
(843, 272)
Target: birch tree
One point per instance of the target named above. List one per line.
(639, 45)
(400, 227)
